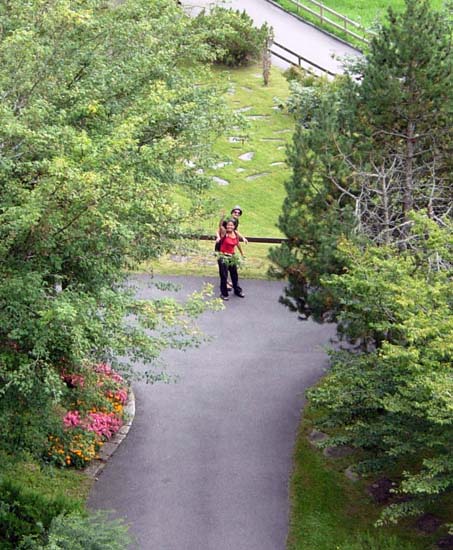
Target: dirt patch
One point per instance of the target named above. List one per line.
(381, 490)
(445, 543)
(428, 523)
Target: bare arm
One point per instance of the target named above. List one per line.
(220, 233)
(241, 237)
(238, 246)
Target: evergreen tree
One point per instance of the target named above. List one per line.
(368, 216)
(367, 150)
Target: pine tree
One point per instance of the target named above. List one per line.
(368, 149)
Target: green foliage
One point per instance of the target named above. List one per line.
(315, 214)
(232, 35)
(25, 512)
(368, 149)
(394, 399)
(94, 532)
(102, 107)
(368, 221)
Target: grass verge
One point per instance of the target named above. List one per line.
(329, 512)
(366, 14)
(200, 260)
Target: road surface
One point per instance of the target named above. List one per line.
(207, 461)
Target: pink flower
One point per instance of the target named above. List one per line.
(121, 396)
(103, 424)
(104, 368)
(71, 419)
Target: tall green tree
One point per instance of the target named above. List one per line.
(103, 114)
(375, 145)
(394, 398)
(368, 216)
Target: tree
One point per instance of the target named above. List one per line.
(368, 216)
(234, 40)
(102, 108)
(376, 144)
(393, 397)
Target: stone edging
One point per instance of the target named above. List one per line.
(95, 467)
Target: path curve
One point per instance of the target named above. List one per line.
(207, 461)
(317, 46)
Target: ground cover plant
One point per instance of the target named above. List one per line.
(250, 170)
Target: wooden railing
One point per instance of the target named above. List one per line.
(322, 13)
(267, 240)
(296, 59)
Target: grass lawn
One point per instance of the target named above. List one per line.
(329, 512)
(256, 184)
(367, 13)
(255, 181)
(200, 260)
(48, 481)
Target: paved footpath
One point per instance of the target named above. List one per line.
(300, 37)
(207, 461)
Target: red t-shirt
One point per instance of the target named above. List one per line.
(228, 244)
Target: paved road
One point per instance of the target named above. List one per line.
(207, 461)
(296, 35)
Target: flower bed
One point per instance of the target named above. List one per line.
(93, 411)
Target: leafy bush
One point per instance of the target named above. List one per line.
(231, 34)
(394, 398)
(26, 513)
(30, 395)
(95, 532)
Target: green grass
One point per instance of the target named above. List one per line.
(46, 480)
(260, 198)
(266, 137)
(366, 13)
(329, 512)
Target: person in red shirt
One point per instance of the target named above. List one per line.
(227, 261)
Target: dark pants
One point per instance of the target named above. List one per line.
(224, 268)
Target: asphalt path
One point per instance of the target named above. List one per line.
(313, 44)
(207, 461)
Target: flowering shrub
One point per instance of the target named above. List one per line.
(94, 400)
(104, 424)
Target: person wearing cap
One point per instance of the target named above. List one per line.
(227, 260)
